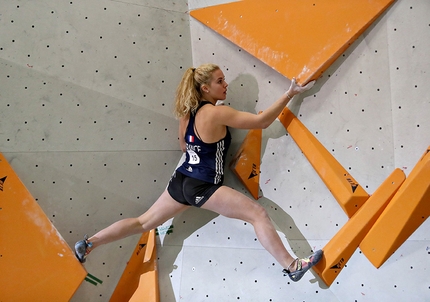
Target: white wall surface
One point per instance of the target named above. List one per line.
(86, 91)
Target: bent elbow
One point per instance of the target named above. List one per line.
(264, 121)
(264, 125)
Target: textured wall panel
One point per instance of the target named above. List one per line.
(86, 90)
(352, 111)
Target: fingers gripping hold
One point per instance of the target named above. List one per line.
(297, 89)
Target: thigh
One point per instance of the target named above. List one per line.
(162, 210)
(233, 204)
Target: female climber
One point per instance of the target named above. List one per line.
(205, 137)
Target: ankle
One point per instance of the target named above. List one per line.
(293, 266)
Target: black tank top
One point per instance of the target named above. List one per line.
(204, 161)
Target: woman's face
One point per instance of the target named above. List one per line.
(218, 86)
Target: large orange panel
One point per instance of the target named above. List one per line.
(297, 38)
(340, 248)
(36, 264)
(348, 193)
(409, 208)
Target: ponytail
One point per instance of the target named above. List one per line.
(188, 93)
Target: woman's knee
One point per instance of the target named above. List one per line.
(260, 213)
(144, 222)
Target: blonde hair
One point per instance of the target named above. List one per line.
(188, 93)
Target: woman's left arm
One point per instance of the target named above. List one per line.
(183, 123)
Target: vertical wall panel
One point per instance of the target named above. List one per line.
(351, 110)
(86, 90)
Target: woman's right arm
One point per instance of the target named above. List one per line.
(246, 120)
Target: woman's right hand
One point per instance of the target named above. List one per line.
(297, 89)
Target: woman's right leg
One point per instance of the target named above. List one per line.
(162, 210)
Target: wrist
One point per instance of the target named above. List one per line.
(289, 95)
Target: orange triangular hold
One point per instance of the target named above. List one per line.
(246, 162)
(345, 189)
(408, 209)
(139, 281)
(35, 261)
(297, 38)
(342, 246)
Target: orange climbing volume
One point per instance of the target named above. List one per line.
(246, 162)
(296, 38)
(409, 208)
(35, 261)
(340, 248)
(348, 193)
(139, 281)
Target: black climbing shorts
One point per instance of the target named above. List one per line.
(190, 191)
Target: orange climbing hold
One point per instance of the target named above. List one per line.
(340, 248)
(139, 281)
(35, 260)
(348, 193)
(409, 208)
(246, 162)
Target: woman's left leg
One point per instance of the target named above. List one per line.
(233, 204)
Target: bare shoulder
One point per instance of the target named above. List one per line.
(219, 114)
(228, 116)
